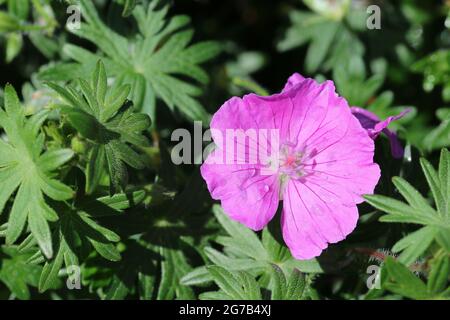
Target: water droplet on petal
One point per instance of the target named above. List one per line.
(266, 188)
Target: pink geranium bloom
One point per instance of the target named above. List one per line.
(325, 165)
(375, 126)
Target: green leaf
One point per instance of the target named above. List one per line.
(244, 239)
(241, 286)
(435, 68)
(250, 287)
(332, 42)
(197, 276)
(275, 248)
(298, 33)
(438, 277)
(218, 295)
(78, 226)
(113, 133)
(435, 185)
(146, 285)
(296, 286)
(438, 137)
(412, 196)
(16, 273)
(118, 174)
(401, 212)
(320, 45)
(173, 267)
(419, 211)
(279, 283)
(245, 251)
(30, 170)
(128, 7)
(70, 96)
(112, 205)
(49, 275)
(444, 179)
(19, 8)
(443, 238)
(287, 289)
(94, 168)
(403, 282)
(115, 100)
(415, 244)
(106, 250)
(52, 160)
(246, 264)
(14, 44)
(49, 47)
(108, 234)
(117, 291)
(226, 282)
(83, 122)
(18, 215)
(160, 56)
(99, 82)
(8, 23)
(41, 231)
(88, 92)
(443, 114)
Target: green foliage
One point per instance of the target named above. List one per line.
(241, 285)
(436, 70)
(330, 31)
(440, 136)
(14, 23)
(351, 82)
(292, 288)
(435, 229)
(404, 283)
(101, 117)
(128, 7)
(245, 251)
(435, 222)
(149, 61)
(76, 229)
(16, 273)
(27, 168)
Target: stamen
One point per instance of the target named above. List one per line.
(291, 165)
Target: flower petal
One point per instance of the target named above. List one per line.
(301, 108)
(340, 151)
(246, 195)
(313, 217)
(367, 119)
(397, 150)
(380, 126)
(293, 80)
(375, 126)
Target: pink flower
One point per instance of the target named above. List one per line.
(325, 165)
(375, 126)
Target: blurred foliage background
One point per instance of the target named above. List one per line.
(171, 245)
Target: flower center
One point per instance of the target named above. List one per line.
(289, 165)
(290, 162)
